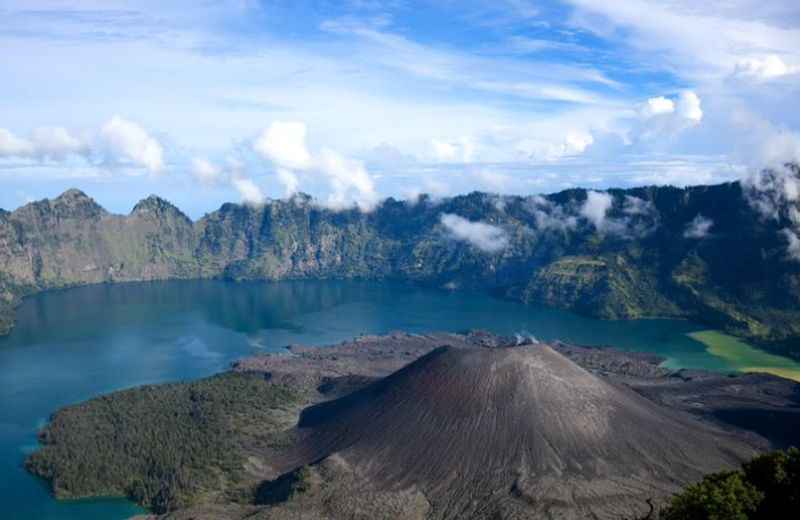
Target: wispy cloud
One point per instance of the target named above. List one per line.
(512, 96)
(485, 237)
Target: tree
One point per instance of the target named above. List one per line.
(721, 496)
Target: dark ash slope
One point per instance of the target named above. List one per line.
(505, 432)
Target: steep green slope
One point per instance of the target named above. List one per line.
(709, 253)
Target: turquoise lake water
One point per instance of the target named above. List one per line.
(69, 346)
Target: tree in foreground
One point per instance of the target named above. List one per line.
(766, 488)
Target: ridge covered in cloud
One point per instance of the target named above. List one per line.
(775, 194)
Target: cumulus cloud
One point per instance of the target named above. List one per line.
(248, 190)
(550, 216)
(55, 142)
(596, 208)
(127, 141)
(793, 247)
(688, 107)
(289, 181)
(119, 141)
(699, 227)
(206, 172)
(460, 150)
(775, 194)
(762, 68)
(780, 146)
(284, 143)
(349, 181)
(486, 237)
(635, 217)
(13, 146)
(658, 105)
(636, 206)
(51, 142)
(662, 117)
(574, 143)
(233, 173)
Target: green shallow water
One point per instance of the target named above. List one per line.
(69, 346)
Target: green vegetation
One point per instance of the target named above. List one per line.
(745, 358)
(168, 446)
(738, 279)
(610, 288)
(766, 488)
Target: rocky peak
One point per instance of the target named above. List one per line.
(75, 203)
(155, 206)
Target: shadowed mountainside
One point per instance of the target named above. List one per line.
(643, 259)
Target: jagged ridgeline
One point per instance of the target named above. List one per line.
(725, 255)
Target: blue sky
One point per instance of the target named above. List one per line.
(205, 102)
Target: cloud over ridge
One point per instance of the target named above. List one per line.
(485, 237)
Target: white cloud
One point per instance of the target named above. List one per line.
(486, 237)
(13, 146)
(596, 208)
(350, 183)
(698, 228)
(206, 172)
(762, 68)
(50, 142)
(574, 143)
(697, 39)
(775, 194)
(636, 206)
(640, 217)
(658, 105)
(780, 146)
(127, 140)
(662, 117)
(289, 181)
(793, 247)
(688, 107)
(347, 180)
(248, 190)
(550, 216)
(55, 142)
(284, 143)
(460, 150)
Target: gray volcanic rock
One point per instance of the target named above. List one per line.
(508, 432)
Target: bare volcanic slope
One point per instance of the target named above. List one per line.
(496, 433)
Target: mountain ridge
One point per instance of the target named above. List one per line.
(634, 258)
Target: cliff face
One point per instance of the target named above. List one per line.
(703, 252)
